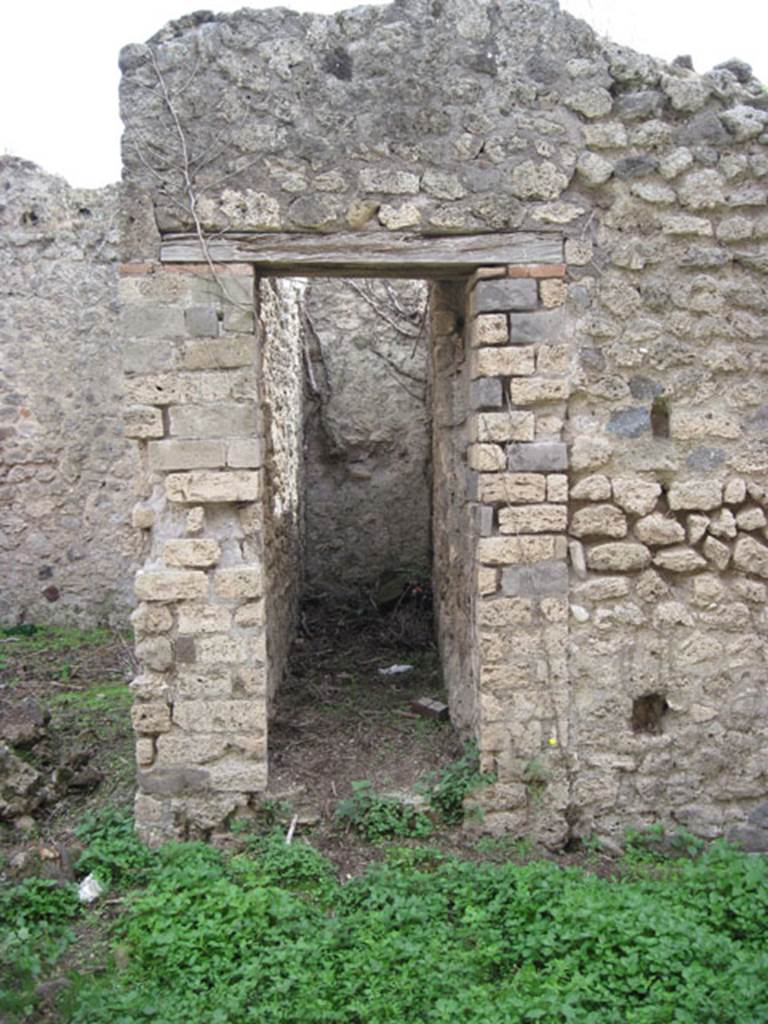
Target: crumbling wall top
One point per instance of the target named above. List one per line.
(433, 116)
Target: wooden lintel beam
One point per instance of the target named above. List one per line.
(378, 254)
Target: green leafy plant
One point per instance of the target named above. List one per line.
(36, 917)
(113, 851)
(591, 846)
(448, 788)
(425, 858)
(274, 938)
(505, 847)
(379, 817)
(296, 866)
(655, 849)
(536, 775)
(687, 844)
(645, 845)
(270, 815)
(39, 901)
(24, 629)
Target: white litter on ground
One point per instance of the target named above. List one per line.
(89, 889)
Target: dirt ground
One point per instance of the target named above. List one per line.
(78, 680)
(337, 720)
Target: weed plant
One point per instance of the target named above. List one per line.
(35, 929)
(380, 817)
(448, 788)
(113, 851)
(271, 937)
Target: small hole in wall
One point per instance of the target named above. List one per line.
(648, 713)
(660, 418)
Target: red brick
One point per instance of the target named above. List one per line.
(538, 270)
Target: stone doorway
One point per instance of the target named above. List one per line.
(220, 591)
(373, 509)
(365, 597)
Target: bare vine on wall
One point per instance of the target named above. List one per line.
(188, 193)
(407, 324)
(390, 326)
(179, 167)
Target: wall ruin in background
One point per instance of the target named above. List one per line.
(367, 437)
(67, 549)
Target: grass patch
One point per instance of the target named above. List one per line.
(79, 678)
(270, 936)
(54, 653)
(99, 701)
(29, 639)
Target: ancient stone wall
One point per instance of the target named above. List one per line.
(67, 549)
(520, 371)
(70, 551)
(617, 463)
(194, 404)
(282, 373)
(367, 433)
(453, 525)
(669, 464)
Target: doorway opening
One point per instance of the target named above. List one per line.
(367, 580)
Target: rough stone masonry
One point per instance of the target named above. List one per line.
(67, 550)
(593, 222)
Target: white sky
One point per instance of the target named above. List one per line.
(59, 77)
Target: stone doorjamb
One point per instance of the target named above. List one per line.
(194, 400)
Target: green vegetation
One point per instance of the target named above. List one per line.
(35, 929)
(270, 936)
(448, 788)
(27, 639)
(103, 709)
(379, 817)
(78, 677)
(376, 817)
(49, 651)
(113, 852)
(536, 776)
